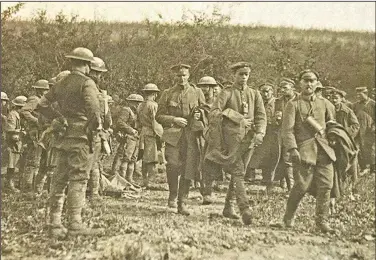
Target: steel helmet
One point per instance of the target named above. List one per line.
(41, 84)
(19, 101)
(135, 97)
(207, 81)
(62, 75)
(81, 53)
(98, 65)
(4, 96)
(151, 87)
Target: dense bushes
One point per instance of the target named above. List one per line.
(138, 53)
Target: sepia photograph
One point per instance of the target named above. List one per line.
(188, 130)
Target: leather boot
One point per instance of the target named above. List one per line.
(10, 181)
(184, 186)
(229, 209)
(322, 211)
(123, 169)
(289, 177)
(293, 201)
(130, 171)
(207, 189)
(145, 175)
(250, 175)
(241, 199)
(94, 186)
(173, 182)
(40, 179)
(56, 228)
(75, 203)
(282, 183)
(28, 178)
(116, 164)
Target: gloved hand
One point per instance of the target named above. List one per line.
(259, 137)
(295, 155)
(15, 137)
(197, 115)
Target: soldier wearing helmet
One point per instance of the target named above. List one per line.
(126, 131)
(4, 113)
(13, 140)
(47, 143)
(79, 113)
(210, 171)
(151, 131)
(35, 124)
(207, 85)
(176, 112)
(101, 140)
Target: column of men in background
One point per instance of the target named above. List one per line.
(69, 129)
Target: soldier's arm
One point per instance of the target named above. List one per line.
(220, 103)
(162, 115)
(330, 111)
(353, 124)
(11, 122)
(108, 120)
(288, 124)
(122, 124)
(91, 101)
(48, 106)
(201, 98)
(259, 114)
(26, 111)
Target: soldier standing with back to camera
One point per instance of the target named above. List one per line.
(151, 132)
(79, 113)
(97, 67)
(176, 106)
(243, 125)
(127, 132)
(303, 135)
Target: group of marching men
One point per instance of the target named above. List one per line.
(311, 141)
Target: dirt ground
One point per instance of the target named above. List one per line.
(143, 227)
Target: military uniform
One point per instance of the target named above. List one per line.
(77, 96)
(99, 138)
(182, 150)
(151, 132)
(285, 164)
(13, 146)
(347, 118)
(265, 156)
(4, 113)
(365, 112)
(236, 103)
(315, 170)
(127, 152)
(34, 154)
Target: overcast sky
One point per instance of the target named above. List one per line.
(328, 15)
